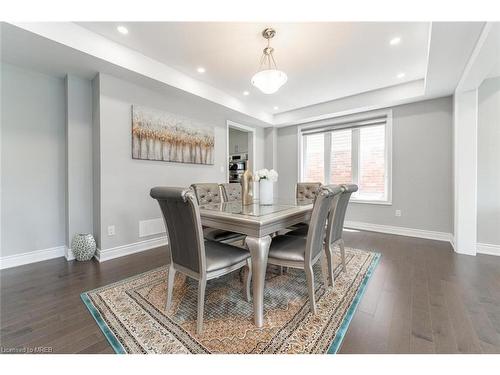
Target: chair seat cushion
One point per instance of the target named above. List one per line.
(220, 255)
(301, 231)
(288, 248)
(220, 235)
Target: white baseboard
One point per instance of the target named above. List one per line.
(486, 248)
(400, 231)
(32, 257)
(120, 251)
(68, 254)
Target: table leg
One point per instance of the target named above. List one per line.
(259, 249)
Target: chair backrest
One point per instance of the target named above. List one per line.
(319, 216)
(183, 224)
(337, 216)
(307, 190)
(231, 192)
(207, 193)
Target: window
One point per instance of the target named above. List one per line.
(314, 151)
(350, 150)
(340, 157)
(371, 179)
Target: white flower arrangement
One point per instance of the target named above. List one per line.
(266, 174)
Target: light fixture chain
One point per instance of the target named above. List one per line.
(274, 61)
(262, 61)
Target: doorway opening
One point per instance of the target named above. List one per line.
(240, 150)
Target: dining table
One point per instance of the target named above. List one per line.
(259, 223)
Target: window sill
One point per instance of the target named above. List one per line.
(361, 201)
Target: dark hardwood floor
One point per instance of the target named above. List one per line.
(422, 298)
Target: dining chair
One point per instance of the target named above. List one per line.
(190, 254)
(304, 252)
(307, 190)
(207, 193)
(231, 192)
(335, 226)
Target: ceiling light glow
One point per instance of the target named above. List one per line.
(395, 41)
(122, 30)
(200, 70)
(401, 75)
(276, 107)
(246, 93)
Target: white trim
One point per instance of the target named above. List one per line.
(237, 125)
(367, 201)
(465, 112)
(461, 86)
(120, 251)
(32, 257)
(400, 231)
(487, 248)
(426, 76)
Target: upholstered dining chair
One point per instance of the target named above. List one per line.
(231, 192)
(307, 190)
(304, 252)
(190, 254)
(207, 193)
(335, 226)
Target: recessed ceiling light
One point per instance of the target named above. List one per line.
(401, 75)
(276, 107)
(200, 69)
(122, 30)
(395, 41)
(246, 93)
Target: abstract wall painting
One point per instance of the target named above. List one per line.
(160, 135)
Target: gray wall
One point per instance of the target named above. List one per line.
(96, 159)
(33, 161)
(271, 148)
(50, 192)
(488, 166)
(287, 161)
(125, 183)
(238, 141)
(79, 156)
(422, 169)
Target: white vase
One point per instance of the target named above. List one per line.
(266, 192)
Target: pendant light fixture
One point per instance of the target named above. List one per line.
(269, 79)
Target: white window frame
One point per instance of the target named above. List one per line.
(343, 119)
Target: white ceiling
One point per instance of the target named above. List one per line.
(323, 61)
(333, 68)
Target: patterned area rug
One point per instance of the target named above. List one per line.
(131, 313)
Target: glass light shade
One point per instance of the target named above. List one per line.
(269, 81)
